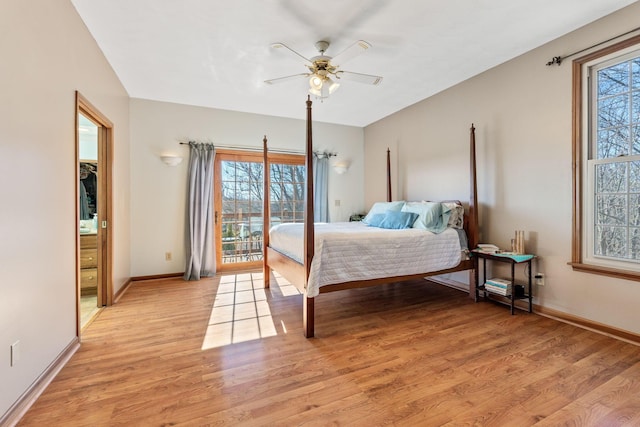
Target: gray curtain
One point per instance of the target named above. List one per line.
(321, 187)
(200, 249)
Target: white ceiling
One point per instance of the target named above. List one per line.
(215, 53)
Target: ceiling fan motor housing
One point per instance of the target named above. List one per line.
(322, 66)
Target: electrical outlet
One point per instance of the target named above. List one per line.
(539, 279)
(167, 256)
(15, 353)
(337, 203)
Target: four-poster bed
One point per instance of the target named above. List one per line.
(298, 269)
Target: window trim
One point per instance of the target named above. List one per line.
(579, 116)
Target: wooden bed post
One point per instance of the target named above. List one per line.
(389, 199)
(309, 236)
(266, 213)
(474, 229)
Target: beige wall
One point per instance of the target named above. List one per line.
(48, 54)
(522, 111)
(158, 192)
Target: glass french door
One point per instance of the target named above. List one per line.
(238, 197)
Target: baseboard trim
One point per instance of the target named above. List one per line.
(28, 398)
(601, 328)
(157, 276)
(121, 291)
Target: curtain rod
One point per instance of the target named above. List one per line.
(325, 154)
(558, 59)
(320, 154)
(247, 148)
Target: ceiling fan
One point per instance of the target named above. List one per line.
(324, 69)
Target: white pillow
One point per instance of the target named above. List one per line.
(456, 220)
(430, 214)
(382, 207)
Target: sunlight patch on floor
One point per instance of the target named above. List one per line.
(285, 287)
(240, 310)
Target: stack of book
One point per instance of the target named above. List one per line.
(487, 248)
(498, 286)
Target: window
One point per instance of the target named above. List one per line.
(607, 161)
(287, 192)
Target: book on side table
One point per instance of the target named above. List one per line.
(488, 248)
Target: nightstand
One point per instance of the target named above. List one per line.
(509, 258)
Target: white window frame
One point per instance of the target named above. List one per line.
(583, 257)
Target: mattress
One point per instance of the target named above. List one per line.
(348, 251)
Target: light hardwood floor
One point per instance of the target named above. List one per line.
(412, 354)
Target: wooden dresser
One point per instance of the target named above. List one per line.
(88, 264)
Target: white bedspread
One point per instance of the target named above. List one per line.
(348, 251)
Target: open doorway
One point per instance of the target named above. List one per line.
(93, 148)
(88, 189)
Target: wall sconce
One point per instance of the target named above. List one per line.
(341, 167)
(171, 160)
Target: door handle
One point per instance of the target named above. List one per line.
(216, 218)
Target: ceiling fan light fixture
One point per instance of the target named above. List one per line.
(321, 93)
(322, 86)
(325, 91)
(333, 86)
(316, 92)
(315, 82)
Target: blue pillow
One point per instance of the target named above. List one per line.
(393, 220)
(381, 208)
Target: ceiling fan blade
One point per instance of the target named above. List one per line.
(280, 45)
(286, 78)
(359, 77)
(351, 52)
